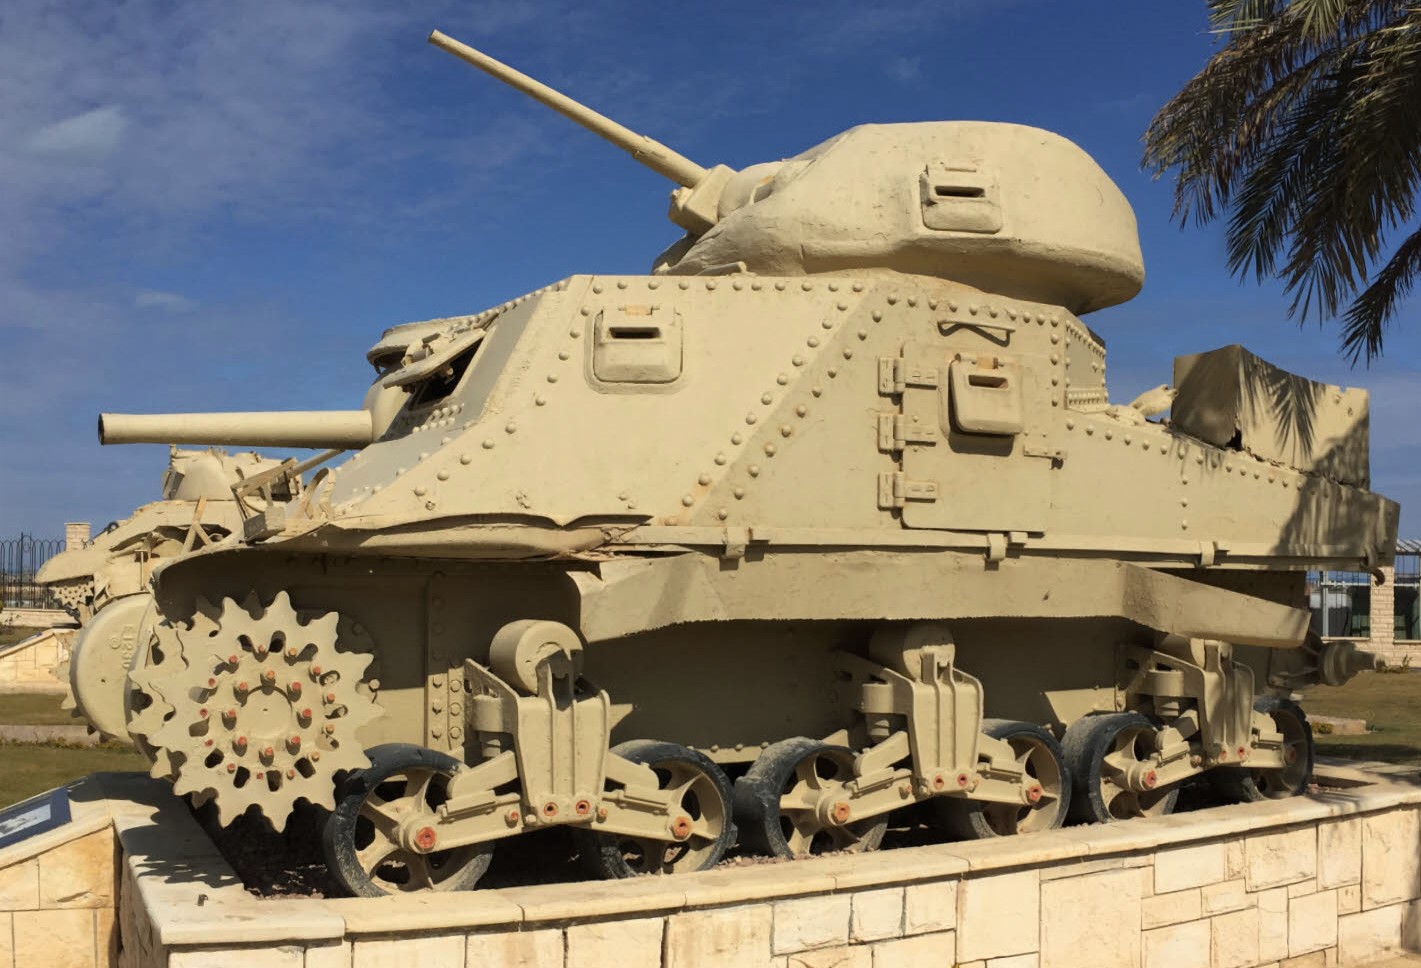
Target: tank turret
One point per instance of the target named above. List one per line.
(835, 501)
(1002, 207)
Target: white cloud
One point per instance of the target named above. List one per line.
(905, 69)
(168, 301)
(91, 134)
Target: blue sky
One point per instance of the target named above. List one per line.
(215, 206)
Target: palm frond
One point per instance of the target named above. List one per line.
(1305, 129)
(1366, 321)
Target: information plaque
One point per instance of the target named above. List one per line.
(34, 816)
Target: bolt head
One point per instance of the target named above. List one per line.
(202, 713)
(296, 688)
(231, 767)
(268, 752)
(232, 659)
(841, 812)
(330, 697)
(295, 741)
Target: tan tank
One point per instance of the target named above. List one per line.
(104, 584)
(828, 515)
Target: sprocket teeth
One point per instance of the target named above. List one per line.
(252, 605)
(207, 676)
(205, 619)
(162, 768)
(327, 626)
(185, 784)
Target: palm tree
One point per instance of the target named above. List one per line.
(1305, 128)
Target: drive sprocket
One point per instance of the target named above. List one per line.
(253, 705)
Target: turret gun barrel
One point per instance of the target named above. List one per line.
(650, 152)
(691, 209)
(327, 429)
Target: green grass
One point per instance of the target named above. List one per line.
(34, 709)
(1391, 705)
(30, 768)
(10, 634)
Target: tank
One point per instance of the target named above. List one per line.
(827, 515)
(206, 497)
(104, 584)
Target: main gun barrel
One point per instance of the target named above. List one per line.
(650, 152)
(327, 429)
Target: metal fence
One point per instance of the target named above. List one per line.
(1342, 600)
(20, 558)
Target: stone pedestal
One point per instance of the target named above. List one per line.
(1332, 879)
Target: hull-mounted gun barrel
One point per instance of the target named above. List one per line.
(693, 206)
(324, 429)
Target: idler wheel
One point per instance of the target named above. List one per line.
(698, 831)
(777, 801)
(361, 838)
(1043, 765)
(1103, 753)
(1245, 786)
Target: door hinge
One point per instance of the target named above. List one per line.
(1056, 455)
(895, 431)
(896, 374)
(895, 490)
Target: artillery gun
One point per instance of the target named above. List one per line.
(832, 502)
(206, 496)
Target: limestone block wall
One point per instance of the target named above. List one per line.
(1332, 879)
(57, 893)
(1382, 608)
(1400, 654)
(36, 618)
(33, 663)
